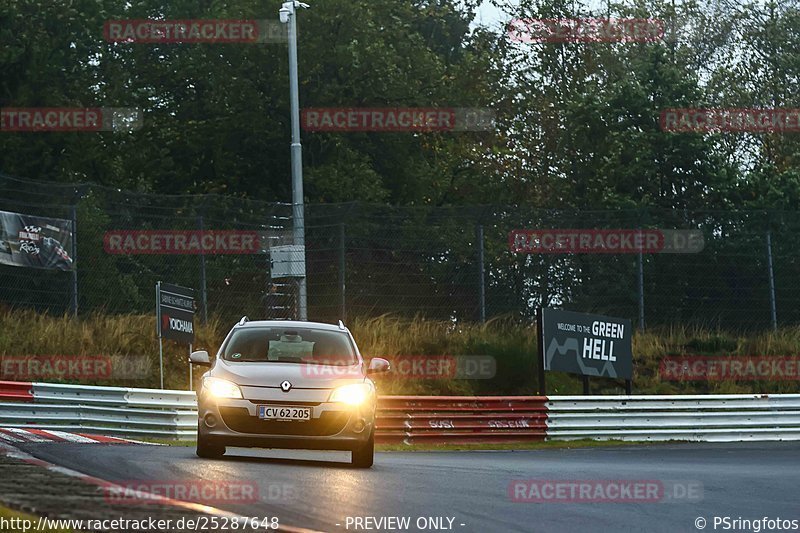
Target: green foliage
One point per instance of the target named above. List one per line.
(578, 122)
(578, 130)
(216, 115)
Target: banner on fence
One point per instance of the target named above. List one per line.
(39, 242)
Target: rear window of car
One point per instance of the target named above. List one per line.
(290, 345)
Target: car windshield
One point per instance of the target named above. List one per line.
(290, 345)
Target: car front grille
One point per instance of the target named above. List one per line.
(240, 420)
(293, 403)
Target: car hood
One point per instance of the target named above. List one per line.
(299, 375)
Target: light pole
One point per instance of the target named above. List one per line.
(288, 16)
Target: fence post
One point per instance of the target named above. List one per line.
(481, 273)
(771, 274)
(203, 293)
(74, 252)
(342, 279)
(641, 290)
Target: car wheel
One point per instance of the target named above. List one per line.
(207, 449)
(364, 455)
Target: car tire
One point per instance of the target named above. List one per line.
(364, 455)
(207, 449)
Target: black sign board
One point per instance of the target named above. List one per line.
(589, 345)
(175, 312)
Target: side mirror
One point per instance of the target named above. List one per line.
(200, 358)
(378, 365)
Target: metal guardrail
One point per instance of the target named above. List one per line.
(411, 420)
(719, 418)
(16, 391)
(117, 411)
(120, 396)
(173, 414)
(461, 419)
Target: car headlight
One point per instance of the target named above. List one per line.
(222, 388)
(354, 394)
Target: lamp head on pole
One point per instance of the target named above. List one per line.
(288, 8)
(285, 12)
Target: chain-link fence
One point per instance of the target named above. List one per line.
(448, 263)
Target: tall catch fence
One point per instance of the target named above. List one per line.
(446, 263)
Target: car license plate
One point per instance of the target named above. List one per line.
(282, 412)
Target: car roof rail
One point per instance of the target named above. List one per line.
(244, 320)
(341, 325)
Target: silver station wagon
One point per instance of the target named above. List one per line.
(287, 384)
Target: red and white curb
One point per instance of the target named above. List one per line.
(19, 436)
(14, 453)
(9, 450)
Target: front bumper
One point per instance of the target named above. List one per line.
(333, 426)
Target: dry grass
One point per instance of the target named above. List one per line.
(130, 343)
(515, 347)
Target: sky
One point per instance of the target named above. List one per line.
(488, 15)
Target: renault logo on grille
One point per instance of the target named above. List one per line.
(286, 386)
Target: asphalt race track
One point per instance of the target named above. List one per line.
(747, 480)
